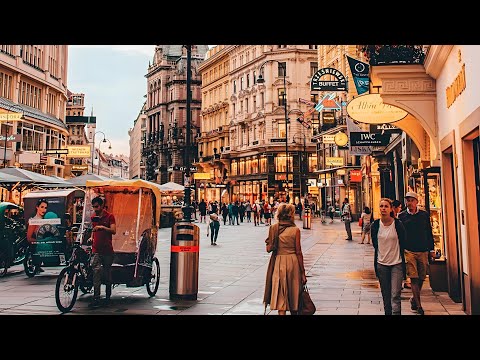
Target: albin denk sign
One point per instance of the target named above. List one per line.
(370, 109)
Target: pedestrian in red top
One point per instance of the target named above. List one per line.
(103, 228)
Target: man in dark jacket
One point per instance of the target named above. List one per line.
(418, 246)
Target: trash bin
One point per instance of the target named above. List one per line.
(184, 255)
(307, 218)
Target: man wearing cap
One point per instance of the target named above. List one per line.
(418, 246)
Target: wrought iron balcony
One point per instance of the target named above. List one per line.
(394, 54)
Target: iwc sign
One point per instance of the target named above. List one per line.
(339, 84)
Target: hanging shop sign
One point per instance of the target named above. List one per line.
(327, 103)
(384, 129)
(370, 109)
(360, 73)
(278, 140)
(79, 151)
(56, 152)
(339, 84)
(334, 161)
(202, 176)
(328, 117)
(355, 176)
(341, 172)
(328, 139)
(368, 139)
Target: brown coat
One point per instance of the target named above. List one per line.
(272, 246)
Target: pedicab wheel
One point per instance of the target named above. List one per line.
(86, 289)
(30, 268)
(66, 290)
(3, 268)
(152, 285)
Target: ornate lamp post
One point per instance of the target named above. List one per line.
(93, 141)
(100, 160)
(261, 80)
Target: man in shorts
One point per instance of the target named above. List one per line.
(418, 246)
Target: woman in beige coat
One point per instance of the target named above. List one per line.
(286, 273)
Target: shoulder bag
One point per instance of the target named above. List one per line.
(305, 304)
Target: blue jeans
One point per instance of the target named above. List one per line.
(390, 278)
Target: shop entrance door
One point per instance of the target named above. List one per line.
(476, 157)
(450, 205)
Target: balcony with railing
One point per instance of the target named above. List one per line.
(395, 54)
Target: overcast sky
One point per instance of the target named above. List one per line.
(112, 77)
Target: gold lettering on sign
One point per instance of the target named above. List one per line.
(457, 87)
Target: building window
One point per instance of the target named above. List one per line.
(241, 107)
(281, 163)
(248, 81)
(281, 99)
(263, 164)
(312, 47)
(226, 91)
(281, 129)
(241, 83)
(313, 68)
(262, 100)
(254, 104)
(282, 46)
(254, 165)
(234, 86)
(241, 167)
(234, 168)
(312, 163)
(254, 77)
(246, 105)
(234, 112)
(5, 86)
(248, 166)
(282, 69)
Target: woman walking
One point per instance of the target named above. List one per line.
(286, 272)
(214, 227)
(388, 239)
(367, 218)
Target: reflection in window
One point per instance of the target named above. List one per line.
(281, 163)
(312, 163)
(263, 164)
(234, 168)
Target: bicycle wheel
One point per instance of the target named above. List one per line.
(30, 268)
(66, 289)
(152, 285)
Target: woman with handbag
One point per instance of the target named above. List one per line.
(388, 239)
(286, 272)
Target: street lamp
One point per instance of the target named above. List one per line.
(100, 160)
(14, 117)
(302, 169)
(93, 141)
(261, 80)
(187, 209)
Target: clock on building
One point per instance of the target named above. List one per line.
(341, 139)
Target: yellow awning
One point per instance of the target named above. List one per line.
(136, 183)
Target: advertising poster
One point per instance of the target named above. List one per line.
(46, 228)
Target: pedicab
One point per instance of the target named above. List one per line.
(136, 206)
(13, 241)
(49, 218)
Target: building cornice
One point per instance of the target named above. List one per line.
(436, 58)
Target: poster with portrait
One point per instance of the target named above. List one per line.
(46, 226)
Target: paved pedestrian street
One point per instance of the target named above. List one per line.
(231, 279)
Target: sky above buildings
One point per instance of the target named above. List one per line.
(112, 77)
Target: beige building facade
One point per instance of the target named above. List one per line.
(214, 124)
(76, 123)
(256, 151)
(163, 150)
(137, 136)
(33, 83)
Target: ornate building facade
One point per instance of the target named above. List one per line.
(33, 86)
(76, 122)
(164, 144)
(256, 148)
(214, 125)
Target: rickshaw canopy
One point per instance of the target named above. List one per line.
(4, 206)
(135, 183)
